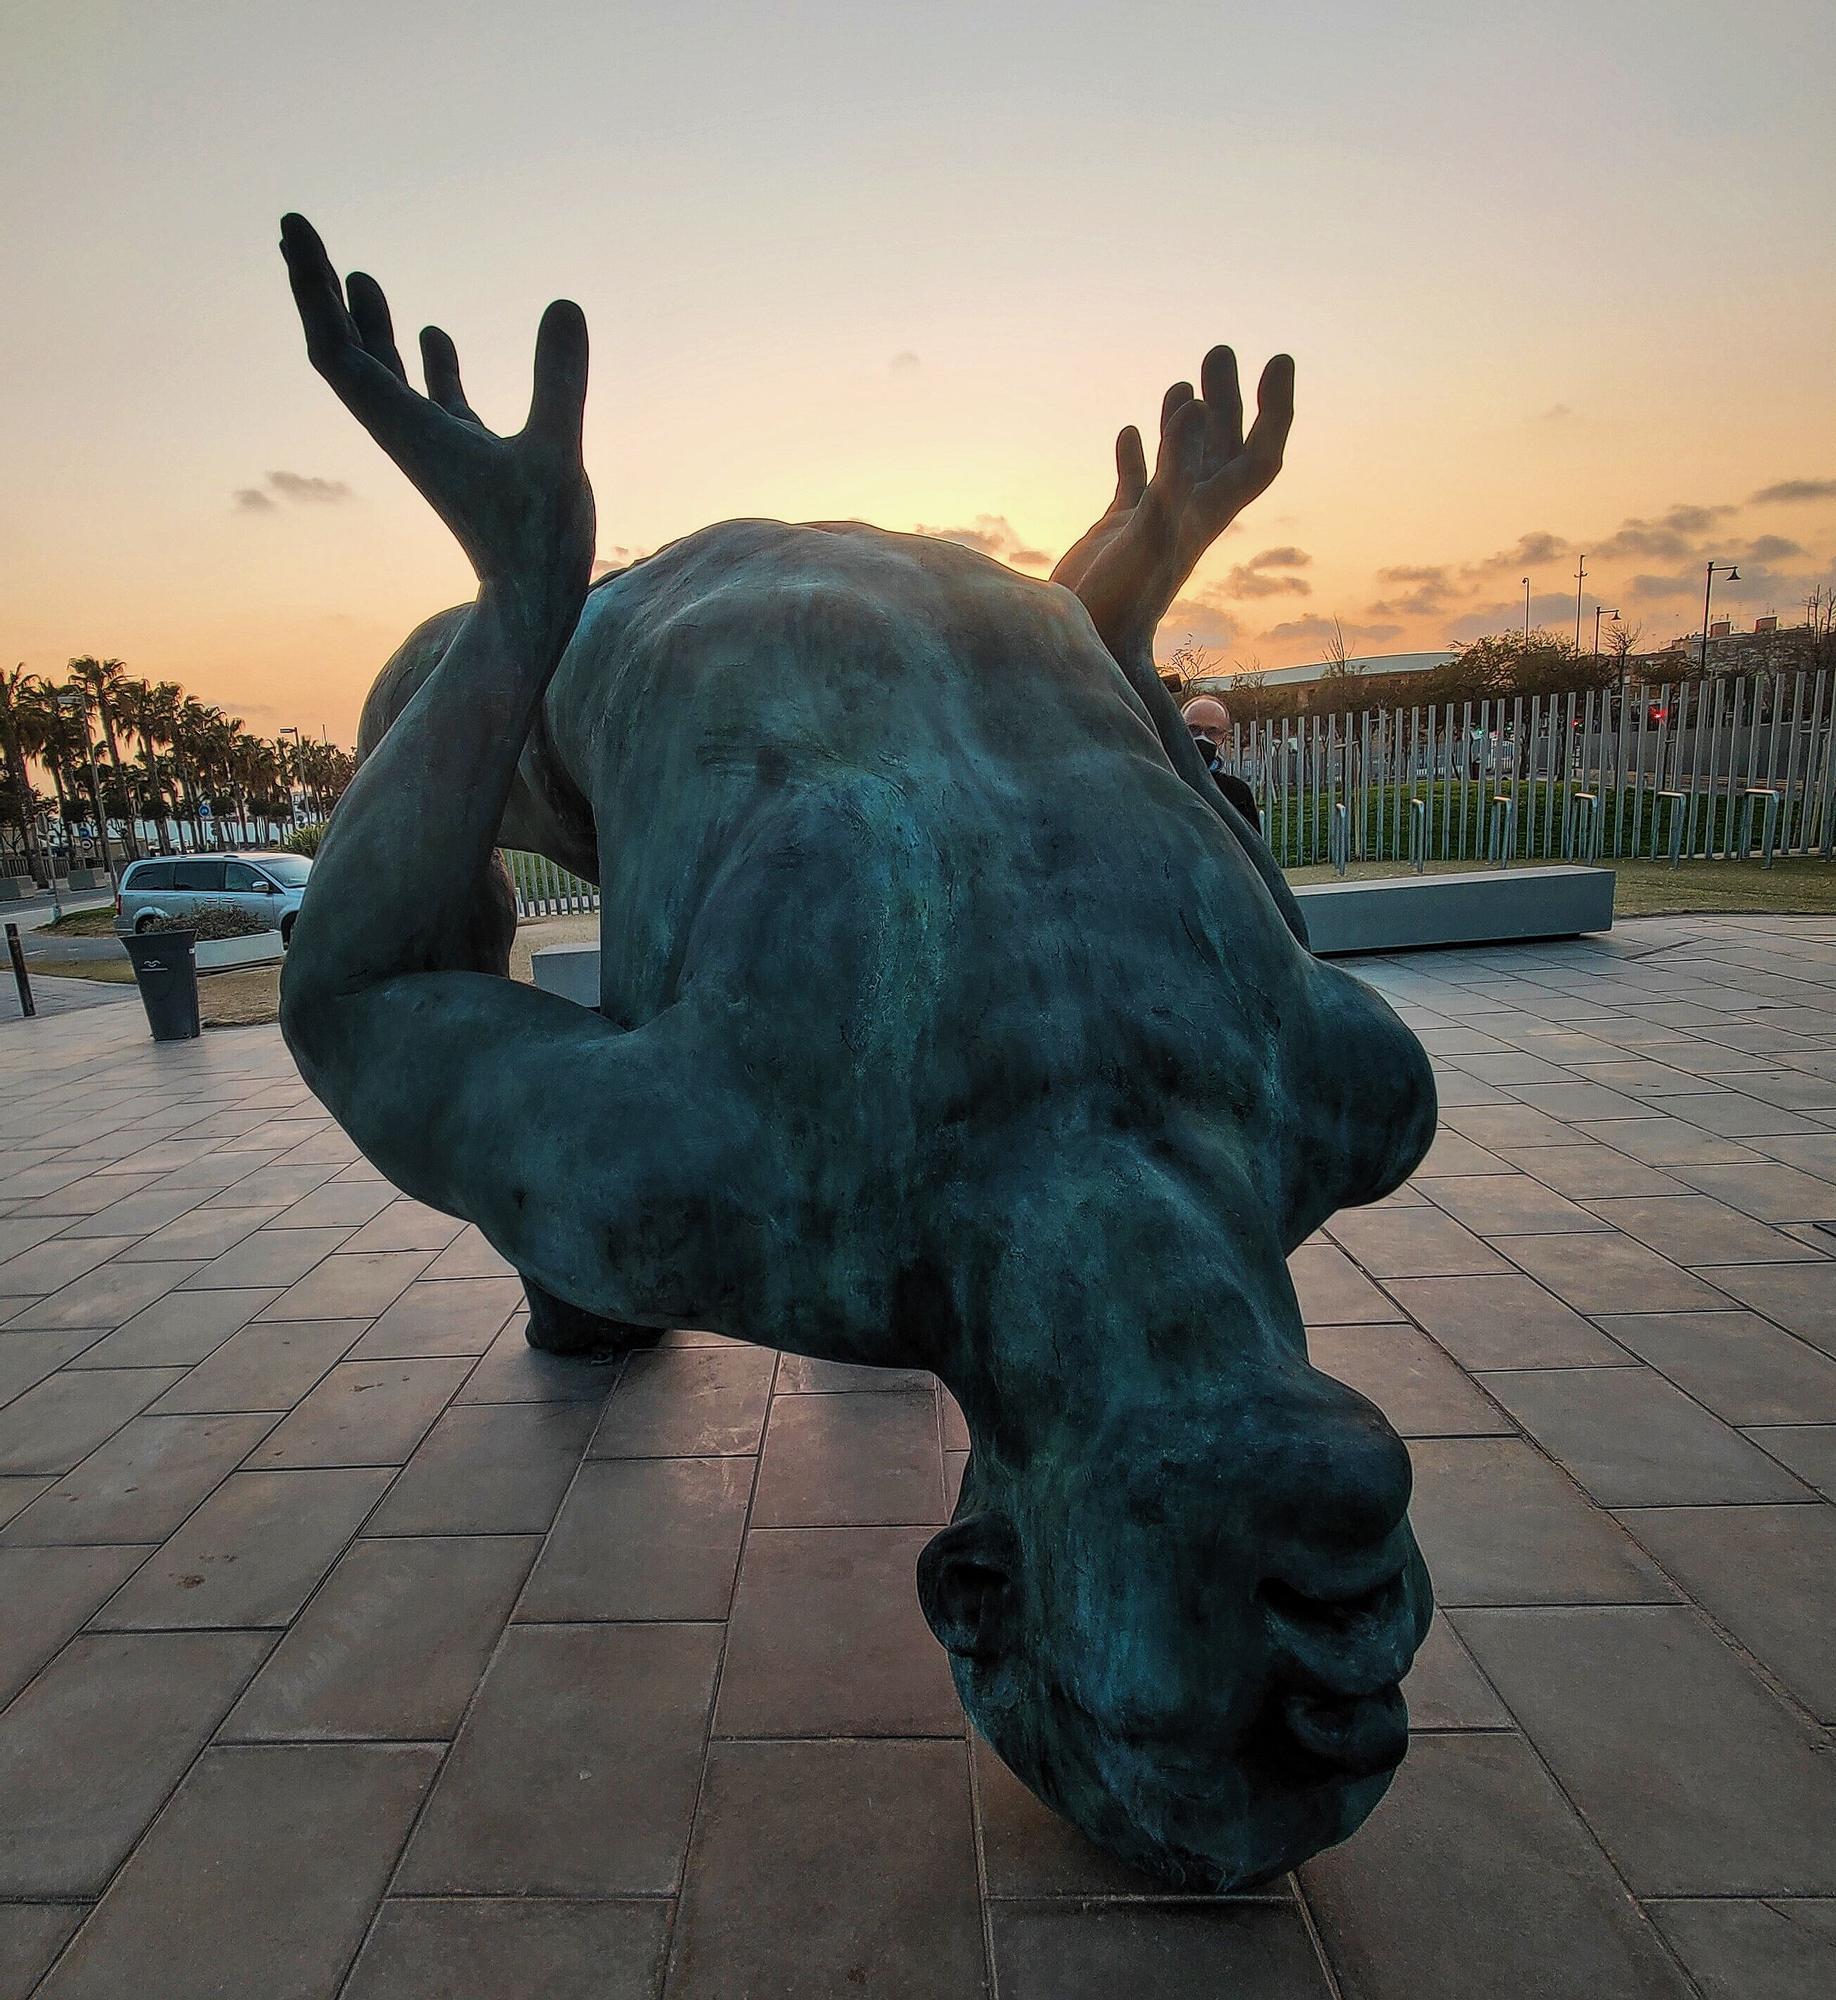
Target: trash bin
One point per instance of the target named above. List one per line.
(166, 971)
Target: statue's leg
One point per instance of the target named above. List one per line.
(559, 1328)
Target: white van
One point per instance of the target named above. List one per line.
(267, 887)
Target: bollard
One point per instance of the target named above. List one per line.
(16, 952)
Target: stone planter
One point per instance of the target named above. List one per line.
(214, 954)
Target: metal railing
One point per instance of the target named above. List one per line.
(1719, 769)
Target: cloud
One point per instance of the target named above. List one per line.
(993, 535)
(304, 487)
(1201, 619)
(1553, 610)
(1245, 581)
(1428, 587)
(1556, 413)
(1787, 491)
(1771, 548)
(1286, 557)
(617, 557)
(1313, 627)
(905, 362)
(1539, 546)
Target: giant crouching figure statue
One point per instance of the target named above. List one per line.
(951, 1018)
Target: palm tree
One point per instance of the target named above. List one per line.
(140, 709)
(48, 737)
(105, 681)
(15, 688)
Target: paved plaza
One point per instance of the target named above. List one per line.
(347, 1646)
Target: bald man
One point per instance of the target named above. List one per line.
(1208, 720)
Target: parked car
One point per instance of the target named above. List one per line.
(265, 886)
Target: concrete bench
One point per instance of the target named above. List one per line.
(1488, 906)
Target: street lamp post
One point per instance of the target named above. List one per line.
(70, 701)
(1732, 572)
(1580, 575)
(1526, 611)
(1600, 612)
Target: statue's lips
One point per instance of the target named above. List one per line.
(1359, 1737)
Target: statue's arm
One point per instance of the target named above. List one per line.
(574, 1145)
(1137, 556)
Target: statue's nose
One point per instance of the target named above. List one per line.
(1334, 1482)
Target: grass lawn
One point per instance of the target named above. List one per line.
(82, 923)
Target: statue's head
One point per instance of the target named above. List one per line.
(1185, 1632)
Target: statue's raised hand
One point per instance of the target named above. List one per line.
(520, 507)
(1135, 560)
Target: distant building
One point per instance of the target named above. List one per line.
(1373, 664)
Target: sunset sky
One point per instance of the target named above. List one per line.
(1557, 272)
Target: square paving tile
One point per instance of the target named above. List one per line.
(177, 1330)
(687, 1402)
(355, 1286)
(141, 1484)
(644, 1538)
(197, 1235)
(392, 1645)
(1808, 1449)
(267, 1256)
(1769, 1193)
(1409, 1378)
(436, 1947)
(577, 1770)
(1498, 1524)
(827, 1639)
(91, 1748)
(1509, 1205)
(1742, 1367)
(1635, 1440)
(511, 1371)
(407, 1225)
(364, 1413)
(1504, 1323)
(1696, 1779)
(1446, 1690)
(490, 1469)
(251, 1555)
(1525, 1904)
(1739, 1948)
(1694, 1229)
(105, 1297)
(269, 1364)
(1765, 1574)
(31, 1936)
(60, 1422)
(831, 1868)
(845, 1461)
(1412, 1243)
(443, 1316)
(1587, 1171)
(197, 1910)
(1799, 1297)
(48, 1594)
(1332, 1290)
(1059, 1951)
(1610, 1273)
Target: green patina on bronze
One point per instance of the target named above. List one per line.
(950, 1018)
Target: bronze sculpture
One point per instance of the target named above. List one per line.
(942, 1026)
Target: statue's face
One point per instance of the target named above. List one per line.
(1190, 1645)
